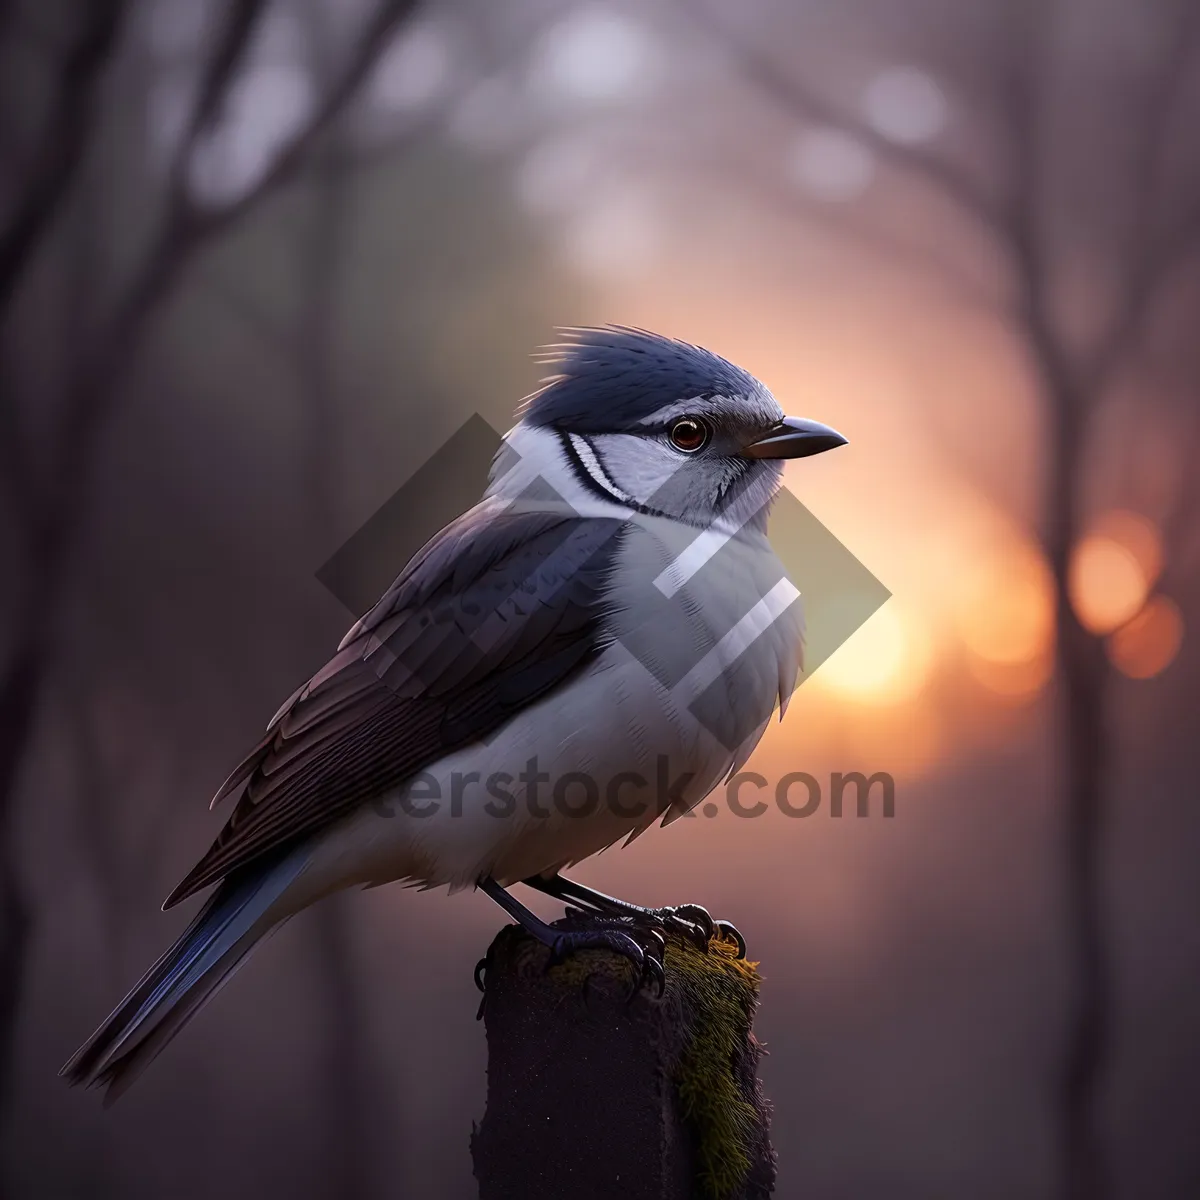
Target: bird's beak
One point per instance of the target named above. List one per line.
(794, 437)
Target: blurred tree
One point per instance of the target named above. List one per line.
(346, 1056)
(1017, 77)
(47, 512)
(63, 144)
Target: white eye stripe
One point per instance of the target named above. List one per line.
(757, 409)
(595, 468)
(705, 406)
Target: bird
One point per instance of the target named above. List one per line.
(590, 650)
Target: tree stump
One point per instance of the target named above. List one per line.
(596, 1091)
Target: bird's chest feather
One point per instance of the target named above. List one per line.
(696, 654)
(712, 618)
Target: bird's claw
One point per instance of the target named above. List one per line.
(730, 932)
(693, 922)
(646, 960)
(654, 969)
(695, 916)
(570, 941)
(688, 921)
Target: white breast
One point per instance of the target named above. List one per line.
(679, 698)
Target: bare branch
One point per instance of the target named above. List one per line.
(1166, 86)
(196, 226)
(63, 142)
(848, 223)
(241, 21)
(1153, 258)
(184, 228)
(93, 393)
(1169, 253)
(1022, 102)
(371, 43)
(795, 96)
(345, 158)
(212, 94)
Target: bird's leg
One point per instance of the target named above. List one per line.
(564, 942)
(689, 920)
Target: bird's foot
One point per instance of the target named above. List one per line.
(692, 922)
(618, 938)
(689, 922)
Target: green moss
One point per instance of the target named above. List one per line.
(718, 992)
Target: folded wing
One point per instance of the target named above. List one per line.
(498, 609)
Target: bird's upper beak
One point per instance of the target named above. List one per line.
(794, 437)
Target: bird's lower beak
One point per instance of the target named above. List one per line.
(794, 437)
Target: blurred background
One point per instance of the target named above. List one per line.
(259, 259)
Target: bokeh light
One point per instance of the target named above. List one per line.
(1138, 534)
(263, 111)
(1004, 615)
(1007, 613)
(1148, 644)
(594, 55)
(1112, 570)
(905, 105)
(414, 71)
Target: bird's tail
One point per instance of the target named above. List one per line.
(242, 910)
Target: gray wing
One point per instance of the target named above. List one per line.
(493, 613)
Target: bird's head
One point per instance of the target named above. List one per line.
(662, 426)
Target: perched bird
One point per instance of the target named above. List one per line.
(594, 646)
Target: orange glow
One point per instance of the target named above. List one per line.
(886, 660)
(1148, 644)
(1138, 535)
(1004, 611)
(1107, 583)
(1007, 616)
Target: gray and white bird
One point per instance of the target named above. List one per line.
(595, 646)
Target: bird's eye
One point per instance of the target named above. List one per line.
(689, 434)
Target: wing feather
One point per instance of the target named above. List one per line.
(497, 610)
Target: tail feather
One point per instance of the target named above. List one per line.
(184, 979)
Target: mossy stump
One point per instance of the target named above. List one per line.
(595, 1095)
